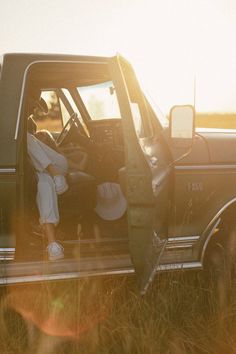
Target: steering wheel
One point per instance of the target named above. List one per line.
(73, 121)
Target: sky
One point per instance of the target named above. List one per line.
(183, 51)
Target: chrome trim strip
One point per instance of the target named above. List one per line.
(65, 276)
(205, 167)
(7, 249)
(7, 254)
(74, 275)
(24, 81)
(179, 266)
(7, 170)
(180, 246)
(181, 242)
(181, 239)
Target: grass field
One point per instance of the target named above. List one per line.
(178, 315)
(214, 120)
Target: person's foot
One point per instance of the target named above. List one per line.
(61, 185)
(55, 251)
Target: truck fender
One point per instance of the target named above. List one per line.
(212, 226)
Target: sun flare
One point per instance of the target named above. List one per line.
(169, 42)
(177, 47)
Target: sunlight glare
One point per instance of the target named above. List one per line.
(176, 42)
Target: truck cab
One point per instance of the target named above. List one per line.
(178, 184)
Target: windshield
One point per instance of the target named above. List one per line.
(160, 116)
(100, 100)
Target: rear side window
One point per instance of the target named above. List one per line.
(52, 120)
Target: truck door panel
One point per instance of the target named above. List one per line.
(147, 180)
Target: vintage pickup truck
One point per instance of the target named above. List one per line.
(179, 183)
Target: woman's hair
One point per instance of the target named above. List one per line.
(46, 137)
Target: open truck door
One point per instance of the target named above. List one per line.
(146, 174)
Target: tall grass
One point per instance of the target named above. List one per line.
(178, 315)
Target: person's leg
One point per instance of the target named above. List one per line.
(43, 156)
(50, 232)
(49, 165)
(48, 160)
(47, 199)
(49, 216)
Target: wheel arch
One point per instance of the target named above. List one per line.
(224, 215)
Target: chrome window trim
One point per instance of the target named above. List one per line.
(24, 81)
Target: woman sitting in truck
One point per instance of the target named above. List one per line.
(51, 166)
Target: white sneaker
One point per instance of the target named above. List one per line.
(55, 251)
(60, 184)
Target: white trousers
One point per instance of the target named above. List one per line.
(41, 156)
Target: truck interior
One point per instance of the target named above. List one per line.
(79, 108)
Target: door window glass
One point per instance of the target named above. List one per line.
(64, 112)
(52, 119)
(65, 116)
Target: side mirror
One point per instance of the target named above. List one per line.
(182, 126)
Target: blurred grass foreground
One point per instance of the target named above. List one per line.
(178, 315)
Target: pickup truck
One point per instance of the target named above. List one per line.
(179, 183)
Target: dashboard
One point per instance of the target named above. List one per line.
(107, 131)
